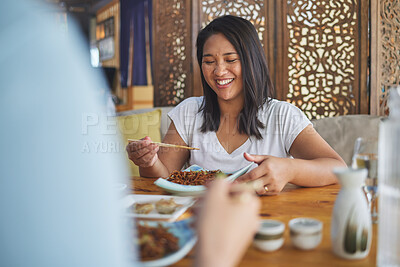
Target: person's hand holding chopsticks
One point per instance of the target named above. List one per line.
(143, 152)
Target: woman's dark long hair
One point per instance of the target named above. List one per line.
(257, 84)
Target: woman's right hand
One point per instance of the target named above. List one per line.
(143, 152)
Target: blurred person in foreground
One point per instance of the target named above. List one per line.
(57, 198)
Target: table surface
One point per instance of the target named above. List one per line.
(292, 202)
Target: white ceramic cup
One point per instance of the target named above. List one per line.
(269, 236)
(305, 233)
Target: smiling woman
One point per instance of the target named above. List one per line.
(221, 68)
(237, 41)
(237, 121)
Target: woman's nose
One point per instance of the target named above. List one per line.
(220, 69)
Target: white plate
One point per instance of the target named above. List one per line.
(193, 190)
(187, 239)
(130, 200)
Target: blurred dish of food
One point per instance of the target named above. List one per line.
(166, 206)
(156, 207)
(164, 243)
(144, 208)
(155, 242)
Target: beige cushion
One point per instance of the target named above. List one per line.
(340, 132)
(137, 126)
(165, 121)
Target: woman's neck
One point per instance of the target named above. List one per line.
(230, 108)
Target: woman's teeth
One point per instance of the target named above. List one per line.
(223, 82)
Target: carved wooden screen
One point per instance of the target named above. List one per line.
(251, 10)
(172, 51)
(317, 50)
(323, 66)
(324, 57)
(315, 55)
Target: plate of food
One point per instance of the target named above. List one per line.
(163, 243)
(190, 182)
(156, 207)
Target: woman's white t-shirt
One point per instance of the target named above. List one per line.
(283, 123)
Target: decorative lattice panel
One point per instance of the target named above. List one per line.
(172, 52)
(321, 51)
(390, 50)
(250, 10)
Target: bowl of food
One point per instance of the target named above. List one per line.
(191, 181)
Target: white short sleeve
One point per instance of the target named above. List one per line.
(184, 117)
(286, 120)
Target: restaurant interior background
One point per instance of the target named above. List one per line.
(329, 58)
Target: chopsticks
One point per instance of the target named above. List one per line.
(168, 145)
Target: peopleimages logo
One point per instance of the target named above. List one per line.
(103, 124)
(108, 125)
(103, 147)
(101, 134)
(104, 132)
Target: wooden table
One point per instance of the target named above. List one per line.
(292, 202)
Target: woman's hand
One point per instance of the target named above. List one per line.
(143, 153)
(272, 173)
(155, 161)
(312, 164)
(227, 224)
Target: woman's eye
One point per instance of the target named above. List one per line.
(208, 62)
(231, 60)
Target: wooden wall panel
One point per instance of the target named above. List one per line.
(375, 52)
(388, 46)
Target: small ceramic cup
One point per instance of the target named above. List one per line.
(269, 236)
(305, 233)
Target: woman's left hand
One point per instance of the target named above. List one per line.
(273, 173)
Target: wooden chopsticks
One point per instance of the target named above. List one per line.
(167, 145)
